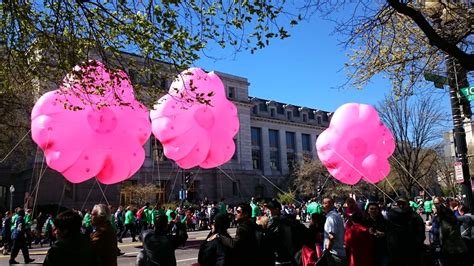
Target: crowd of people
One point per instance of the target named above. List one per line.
(352, 233)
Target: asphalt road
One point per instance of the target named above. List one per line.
(186, 255)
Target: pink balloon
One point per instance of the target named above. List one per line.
(192, 133)
(356, 145)
(92, 126)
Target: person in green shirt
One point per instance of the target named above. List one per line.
(158, 210)
(222, 206)
(86, 222)
(414, 205)
(314, 207)
(28, 224)
(168, 213)
(129, 225)
(14, 218)
(428, 209)
(255, 209)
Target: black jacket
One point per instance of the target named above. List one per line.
(286, 237)
(74, 251)
(158, 249)
(214, 253)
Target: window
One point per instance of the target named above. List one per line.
(256, 159)
(291, 160)
(234, 157)
(290, 141)
(296, 112)
(305, 118)
(263, 107)
(306, 142)
(319, 120)
(311, 115)
(272, 112)
(256, 136)
(231, 93)
(255, 109)
(325, 117)
(289, 115)
(274, 149)
(280, 109)
(273, 137)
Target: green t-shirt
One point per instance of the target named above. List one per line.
(314, 207)
(255, 210)
(128, 217)
(156, 213)
(414, 205)
(86, 221)
(112, 221)
(14, 218)
(28, 221)
(168, 213)
(428, 206)
(222, 208)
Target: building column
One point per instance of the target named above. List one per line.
(283, 158)
(265, 152)
(299, 146)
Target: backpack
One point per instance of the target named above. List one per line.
(140, 213)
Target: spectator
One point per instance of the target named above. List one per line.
(104, 238)
(72, 247)
(405, 234)
(359, 243)
(212, 252)
(333, 235)
(467, 233)
(158, 249)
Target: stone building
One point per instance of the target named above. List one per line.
(272, 137)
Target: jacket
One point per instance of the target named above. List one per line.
(73, 251)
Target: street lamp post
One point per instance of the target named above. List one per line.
(12, 190)
(459, 134)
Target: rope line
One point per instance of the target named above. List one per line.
(103, 193)
(279, 188)
(414, 179)
(87, 198)
(16, 145)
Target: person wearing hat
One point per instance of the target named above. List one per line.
(284, 234)
(405, 234)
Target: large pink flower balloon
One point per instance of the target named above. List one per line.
(193, 133)
(356, 145)
(92, 126)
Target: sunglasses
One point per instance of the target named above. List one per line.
(238, 211)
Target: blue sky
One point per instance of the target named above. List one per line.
(305, 69)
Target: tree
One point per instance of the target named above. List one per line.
(308, 176)
(416, 125)
(405, 40)
(141, 193)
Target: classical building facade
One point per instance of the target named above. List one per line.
(272, 137)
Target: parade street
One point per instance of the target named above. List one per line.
(184, 255)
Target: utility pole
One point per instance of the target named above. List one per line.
(457, 79)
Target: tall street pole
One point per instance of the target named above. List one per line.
(457, 76)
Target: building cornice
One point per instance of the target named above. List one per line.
(284, 122)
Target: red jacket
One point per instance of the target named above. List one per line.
(359, 245)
